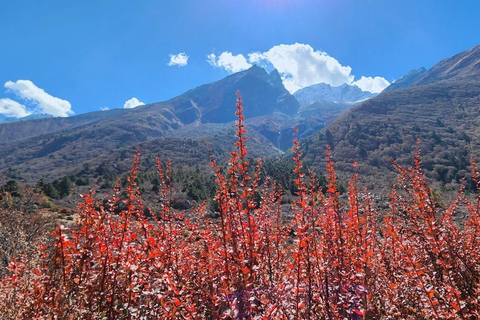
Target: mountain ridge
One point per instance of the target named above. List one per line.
(322, 91)
(443, 113)
(465, 64)
(47, 147)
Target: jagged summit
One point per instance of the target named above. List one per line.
(263, 94)
(275, 78)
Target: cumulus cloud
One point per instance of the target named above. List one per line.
(180, 59)
(104, 108)
(132, 103)
(299, 65)
(228, 61)
(375, 84)
(48, 104)
(12, 108)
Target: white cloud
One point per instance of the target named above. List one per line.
(228, 61)
(104, 108)
(180, 59)
(48, 104)
(132, 103)
(11, 108)
(375, 85)
(299, 66)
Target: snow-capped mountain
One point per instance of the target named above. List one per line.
(322, 91)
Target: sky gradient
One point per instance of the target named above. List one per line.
(72, 57)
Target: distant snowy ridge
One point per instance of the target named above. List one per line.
(322, 91)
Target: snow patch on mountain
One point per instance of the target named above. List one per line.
(322, 91)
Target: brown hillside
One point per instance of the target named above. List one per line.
(445, 116)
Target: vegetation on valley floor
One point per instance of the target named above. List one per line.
(333, 260)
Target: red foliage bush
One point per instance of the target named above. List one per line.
(334, 260)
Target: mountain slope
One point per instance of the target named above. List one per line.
(407, 80)
(464, 65)
(20, 130)
(443, 113)
(5, 119)
(52, 147)
(263, 94)
(321, 103)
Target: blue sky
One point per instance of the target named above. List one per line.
(71, 57)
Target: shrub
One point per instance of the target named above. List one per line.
(332, 260)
